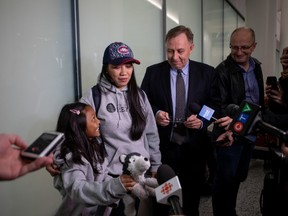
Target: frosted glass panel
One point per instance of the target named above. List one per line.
(36, 79)
(230, 23)
(213, 32)
(187, 13)
(103, 22)
(219, 20)
(36, 64)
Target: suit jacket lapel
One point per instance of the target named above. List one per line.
(167, 86)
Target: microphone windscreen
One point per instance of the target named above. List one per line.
(164, 173)
(195, 108)
(231, 110)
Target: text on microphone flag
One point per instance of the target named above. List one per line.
(206, 112)
(243, 118)
(238, 127)
(166, 188)
(246, 108)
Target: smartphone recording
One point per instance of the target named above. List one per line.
(272, 80)
(43, 145)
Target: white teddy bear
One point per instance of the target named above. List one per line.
(135, 165)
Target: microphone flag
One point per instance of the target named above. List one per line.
(207, 113)
(169, 188)
(244, 118)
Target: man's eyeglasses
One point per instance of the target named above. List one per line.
(242, 48)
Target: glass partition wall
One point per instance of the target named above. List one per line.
(219, 20)
(144, 29)
(36, 80)
(186, 13)
(104, 22)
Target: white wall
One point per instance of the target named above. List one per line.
(104, 22)
(36, 79)
(262, 17)
(284, 24)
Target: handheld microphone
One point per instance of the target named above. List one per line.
(194, 108)
(248, 120)
(169, 191)
(231, 110)
(245, 118)
(208, 113)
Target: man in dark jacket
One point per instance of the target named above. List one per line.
(200, 86)
(240, 78)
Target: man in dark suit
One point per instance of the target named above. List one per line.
(188, 158)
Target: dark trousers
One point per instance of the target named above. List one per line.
(189, 163)
(232, 168)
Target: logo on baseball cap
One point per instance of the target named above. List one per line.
(118, 53)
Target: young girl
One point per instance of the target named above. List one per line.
(83, 183)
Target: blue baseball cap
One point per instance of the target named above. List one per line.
(118, 53)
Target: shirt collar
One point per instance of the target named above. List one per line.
(251, 65)
(184, 69)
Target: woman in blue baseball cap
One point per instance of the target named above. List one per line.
(127, 121)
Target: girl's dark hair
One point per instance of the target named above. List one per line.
(135, 108)
(72, 122)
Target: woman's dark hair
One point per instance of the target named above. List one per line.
(135, 108)
(72, 122)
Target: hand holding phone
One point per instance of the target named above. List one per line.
(43, 145)
(284, 60)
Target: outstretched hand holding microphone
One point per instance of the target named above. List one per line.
(207, 114)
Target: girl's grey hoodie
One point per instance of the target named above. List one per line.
(83, 192)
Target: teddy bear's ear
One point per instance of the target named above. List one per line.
(122, 158)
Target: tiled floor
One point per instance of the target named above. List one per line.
(249, 193)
